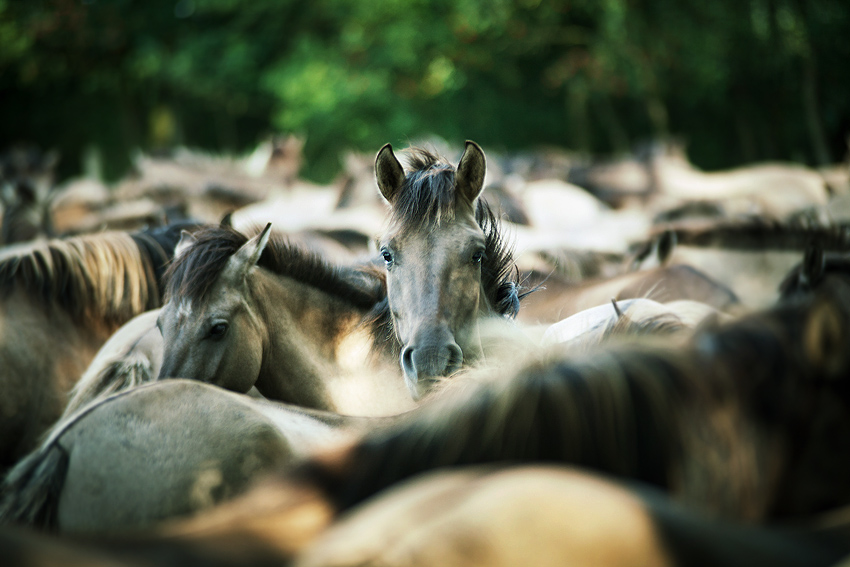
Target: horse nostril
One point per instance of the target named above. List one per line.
(407, 363)
(455, 360)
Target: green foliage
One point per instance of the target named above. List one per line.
(741, 80)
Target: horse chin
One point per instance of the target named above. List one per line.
(419, 387)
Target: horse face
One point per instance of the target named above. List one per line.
(218, 342)
(434, 294)
(433, 260)
(218, 338)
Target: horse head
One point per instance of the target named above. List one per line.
(211, 330)
(444, 259)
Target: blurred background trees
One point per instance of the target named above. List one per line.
(740, 80)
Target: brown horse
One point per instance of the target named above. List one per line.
(59, 302)
(243, 312)
(447, 265)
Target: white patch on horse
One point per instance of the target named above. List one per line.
(353, 349)
(206, 482)
(184, 309)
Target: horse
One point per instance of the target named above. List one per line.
(59, 302)
(159, 451)
(773, 189)
(447, 265)
(132, 356)
(752, 256)
(259, 312)
(26, 192)
(506, 515)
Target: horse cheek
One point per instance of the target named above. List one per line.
(466, 290)
(245, 362)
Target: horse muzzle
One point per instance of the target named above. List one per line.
(422, 363)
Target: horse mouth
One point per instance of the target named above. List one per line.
(421, 387)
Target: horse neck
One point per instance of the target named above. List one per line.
(310, 334)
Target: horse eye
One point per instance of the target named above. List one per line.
(388, 257)
(478, 256)
(218, 330)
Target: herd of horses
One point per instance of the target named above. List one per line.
(275, 390)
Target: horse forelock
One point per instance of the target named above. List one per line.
(193, 273)
(428, 196)
(93, 277)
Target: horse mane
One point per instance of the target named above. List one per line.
(627, 328)
(120, 374)
(428, 193)
(760, 233)
(193, 273)
(100, 277)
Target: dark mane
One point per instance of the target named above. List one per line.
(759, 233)
(193, 273)
(106, 276)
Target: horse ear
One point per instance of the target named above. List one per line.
(666, 244)
(813, 265)
(469, 179)
(26, 192)
(186, 240)
(617, 310)
(248, 256)
(825, 339)
(227, 220)
(389, 173)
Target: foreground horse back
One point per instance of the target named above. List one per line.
(158, 451)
